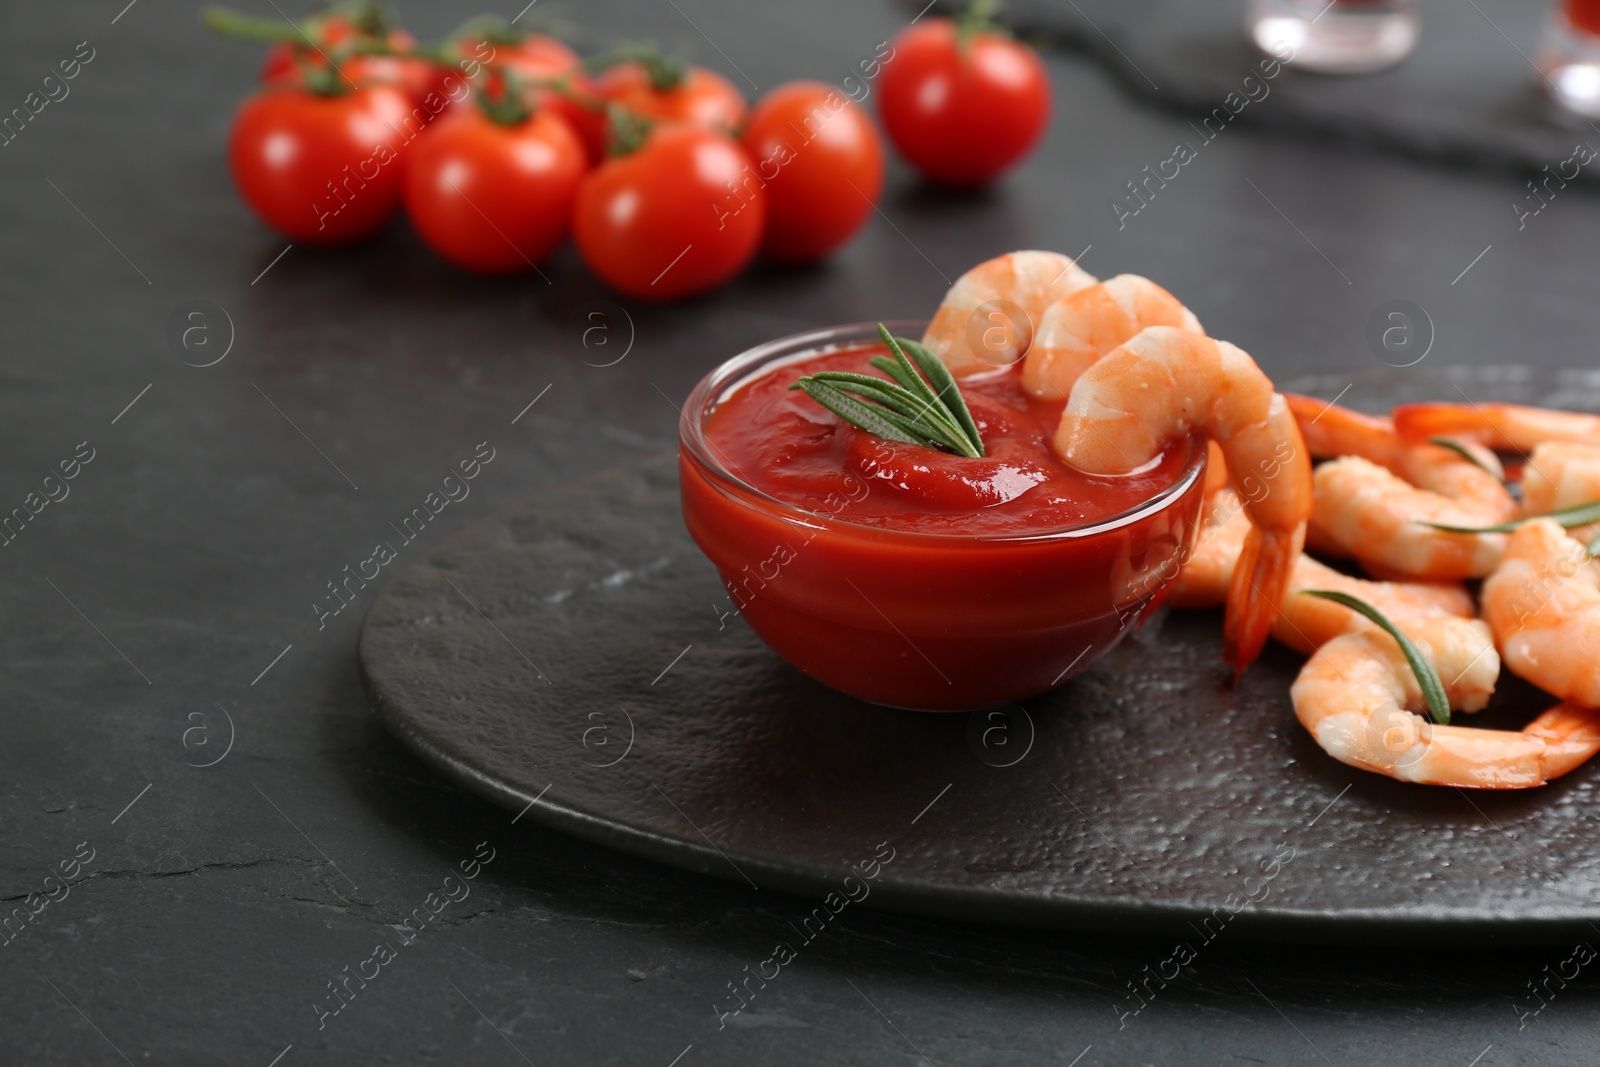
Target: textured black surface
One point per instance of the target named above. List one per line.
(600, 692)
(1470, 93)
(197, 541)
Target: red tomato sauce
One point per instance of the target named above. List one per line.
(783, 443)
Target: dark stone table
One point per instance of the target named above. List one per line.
(163, 606)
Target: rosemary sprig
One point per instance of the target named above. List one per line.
(1427, 678)
(924, 408)
(1577, 515)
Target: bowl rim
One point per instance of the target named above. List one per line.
(735, 372)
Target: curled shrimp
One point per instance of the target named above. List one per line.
(1079, 328)
(1166, 383)
(1303, 623)
(1359, 698)
(1560, 475)
(1509, 427)
(1543, 604)
(1028, 281)
(1373, 501)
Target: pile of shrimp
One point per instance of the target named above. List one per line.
(1138, 372)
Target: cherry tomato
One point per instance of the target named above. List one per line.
(667, 92)
(543, 58)
(822, 162)
(678, 216)
(320, 169)
(962, 107)
(493, 198)
(413, 76)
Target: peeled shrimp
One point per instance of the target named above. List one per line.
(1543, 604)
(1079, 328)
(1561, 475)
(1166, 383)
(1303, 623)
(1511, 427)
(1377, 517)
(1030, 280)
(1371, 502)
(1358, 697)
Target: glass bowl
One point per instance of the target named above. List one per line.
(918, 620)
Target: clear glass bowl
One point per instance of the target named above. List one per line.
(926, 621)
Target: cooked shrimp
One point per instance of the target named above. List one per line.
(1561, 475)
(1303, 623)
(1543, 603)
(1166, 383)
(1081, 327)
(1358, 697)
(1510, 427)
(1378, 519)
(1332, 431)
(1030, 280)
(1376, 516)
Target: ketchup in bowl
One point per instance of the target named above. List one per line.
(912, 577)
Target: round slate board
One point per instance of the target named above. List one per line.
(569, 659)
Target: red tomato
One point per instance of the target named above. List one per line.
(320, 169)
(822, 162)
(701, 96)
(539, 57)
(414, 77)
(493, 198)
(682, 214)
(962, 110)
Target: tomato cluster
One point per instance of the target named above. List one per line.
(498, 143)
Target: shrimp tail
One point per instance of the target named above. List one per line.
(1260, 581)
(1570, 734)
(1419, 422)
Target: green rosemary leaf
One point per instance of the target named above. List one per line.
(855, 412)
(903, 406)
(1465, 453)
(944, 384)
(1577, 515)
(908, 375)
(895, 370)
(930, 422)
(1594, 546)
(927, 435)
(1427, 678)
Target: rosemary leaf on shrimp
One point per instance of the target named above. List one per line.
(1577, 515)
(1427, 678)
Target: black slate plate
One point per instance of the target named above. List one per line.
(567, 658)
